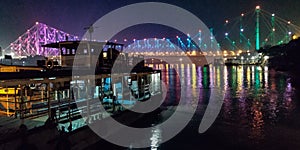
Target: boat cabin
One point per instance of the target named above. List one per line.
(91, 54)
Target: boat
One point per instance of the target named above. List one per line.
(127, 87)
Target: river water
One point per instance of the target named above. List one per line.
(260, 110)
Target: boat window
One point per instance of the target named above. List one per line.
(105, 55)
(119, 47)
(85, 51)
(105, 49)
(63, 50)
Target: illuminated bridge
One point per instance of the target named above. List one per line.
(248, 32)
(30, 43)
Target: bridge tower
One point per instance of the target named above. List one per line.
(211, 38)
(200, 39)
(257, 28)
(273, 30)
(241, 28)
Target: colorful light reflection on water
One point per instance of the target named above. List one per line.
(256, 98)
(260, 109)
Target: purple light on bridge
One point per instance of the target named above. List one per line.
(30, 43)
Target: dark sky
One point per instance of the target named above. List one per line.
(71, 16)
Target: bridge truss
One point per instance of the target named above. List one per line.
(29, 44)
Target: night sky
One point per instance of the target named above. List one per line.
(16, 16)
